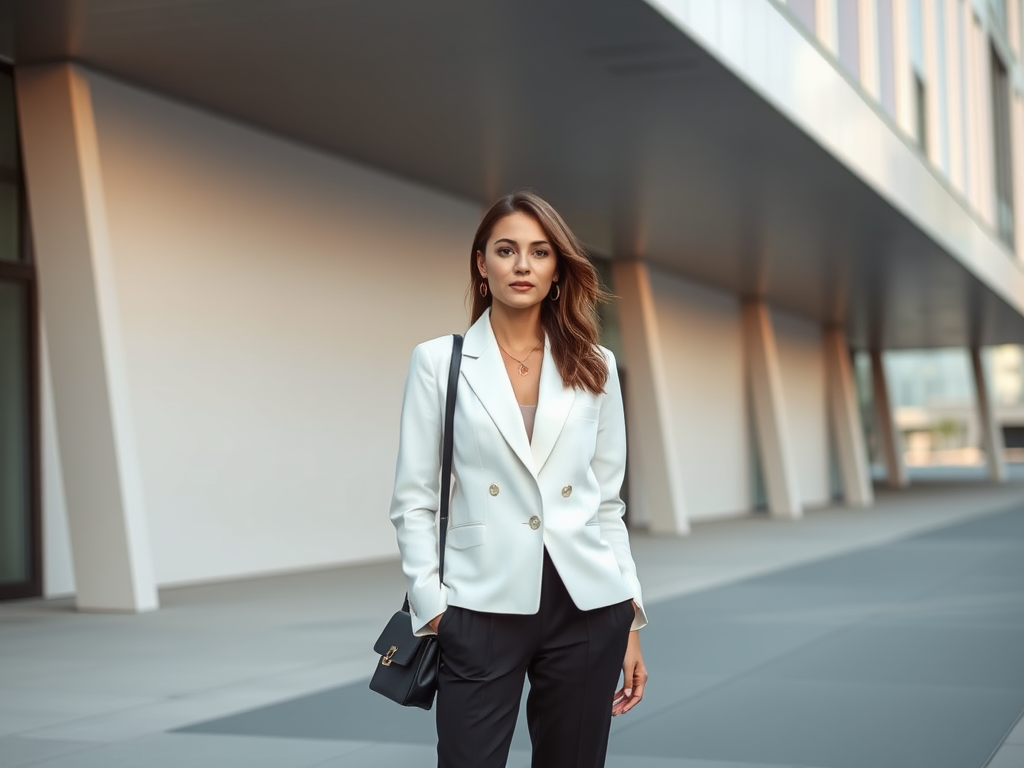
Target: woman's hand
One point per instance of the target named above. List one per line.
(434, 622)
(634, 677)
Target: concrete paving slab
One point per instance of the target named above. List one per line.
(31, 699)
(840, 725)
(1016, 736)
(195, 751)
(1010, 756)
(384, 755)
(15, 722)
(878, 652)
(16, 751)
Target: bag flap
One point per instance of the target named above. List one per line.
(398, 635)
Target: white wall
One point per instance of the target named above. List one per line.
(702, 343)
(802, 362)
(270, 296)
(701, 337)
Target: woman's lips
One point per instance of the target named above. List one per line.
(522, 286)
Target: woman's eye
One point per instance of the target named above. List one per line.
(504, 251)
(541, 254)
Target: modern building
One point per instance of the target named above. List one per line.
(934, 406)
(226, 224)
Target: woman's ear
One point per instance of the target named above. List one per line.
(481, 264)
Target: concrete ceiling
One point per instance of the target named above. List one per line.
(648, 146)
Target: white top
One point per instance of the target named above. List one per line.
(529, 416)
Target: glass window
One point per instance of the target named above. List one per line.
(20, 573)
(998, 13)
(15, 511)
(961, 42)
(939, 89)
(886, 58)
(916, 21)
(849, 36)
(921, 110)
(10, 174)
(805, 11)
(1020, 31)
(916, 36)
(1002, 144)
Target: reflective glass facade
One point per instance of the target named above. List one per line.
(20, 566)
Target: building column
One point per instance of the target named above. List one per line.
(889, 439)
(102, 482)
(773, 441)
(991, 435)
(844, 413)
(655, 482)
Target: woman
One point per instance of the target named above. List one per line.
(539, 580)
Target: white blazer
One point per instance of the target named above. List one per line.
(510, 498)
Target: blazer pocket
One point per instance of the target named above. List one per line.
(588, 412)
(465, 536)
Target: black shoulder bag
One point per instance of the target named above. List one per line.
(407, 672)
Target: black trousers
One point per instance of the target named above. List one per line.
(573, 659)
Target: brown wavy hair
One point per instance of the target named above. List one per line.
(571, 323)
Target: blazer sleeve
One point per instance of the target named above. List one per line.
(415, 501)
(609, 466)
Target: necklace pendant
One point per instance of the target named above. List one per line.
(523, 370)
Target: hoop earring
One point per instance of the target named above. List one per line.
(558, 293)
(483, 289)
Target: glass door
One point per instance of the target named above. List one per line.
(20, 530)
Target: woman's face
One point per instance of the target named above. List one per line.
(520, 264)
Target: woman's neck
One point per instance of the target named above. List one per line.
(516, 329)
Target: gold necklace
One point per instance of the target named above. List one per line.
(523, 369)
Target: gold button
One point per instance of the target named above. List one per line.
(535, 522)
(567, 491)
(494, 489)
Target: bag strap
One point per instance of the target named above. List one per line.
(446, 450)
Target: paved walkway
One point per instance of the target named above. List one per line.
(862, 638)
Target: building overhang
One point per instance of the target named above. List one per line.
(645, 138)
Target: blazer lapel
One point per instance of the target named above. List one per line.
(484, 371)
(553, 406)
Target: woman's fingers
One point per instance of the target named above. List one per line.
(623, 695)
(639, 683)
(618, 700)
(634, 676)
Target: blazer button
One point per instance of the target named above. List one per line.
(567, 491)
(494, 490)
(535, 522)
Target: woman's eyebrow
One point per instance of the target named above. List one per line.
(513, 242)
